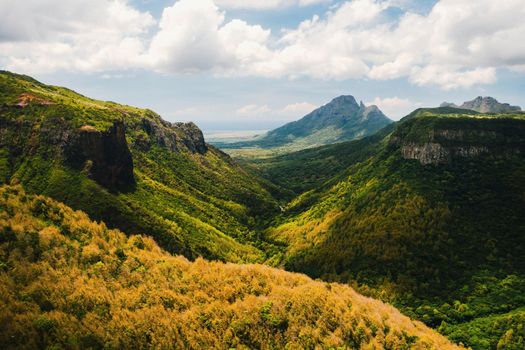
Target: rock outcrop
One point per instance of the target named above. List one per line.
(172, 136)
(105, 156)
(445, 140)
(485, 105)
(193, 137)
(26, 98)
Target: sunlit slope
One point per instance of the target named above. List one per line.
(68, 282)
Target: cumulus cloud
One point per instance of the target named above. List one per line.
(458, 44)
(395, 107)
(266, 4)
(194, 37)
(451, 78)
(84, 35)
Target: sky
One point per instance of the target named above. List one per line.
(253, 64)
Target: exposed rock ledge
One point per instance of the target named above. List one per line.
(435, 153)
(439, 145)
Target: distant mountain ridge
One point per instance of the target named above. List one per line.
(484, 105)
(342, 119)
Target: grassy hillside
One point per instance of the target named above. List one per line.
(68, 282)
(431, 220)
(162, 178)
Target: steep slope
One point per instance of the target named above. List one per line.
(131, 169)
(342, 119)
(68, 282)
(485, 105)
(432, 220)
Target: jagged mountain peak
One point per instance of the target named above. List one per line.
(345, 99)
(341, 119)
(484, 104)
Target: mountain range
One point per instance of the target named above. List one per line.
(108, 212)
(342, 119)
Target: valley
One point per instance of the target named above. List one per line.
(137, 221)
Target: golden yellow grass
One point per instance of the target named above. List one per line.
(70, 282)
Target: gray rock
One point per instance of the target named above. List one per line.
(485, 105)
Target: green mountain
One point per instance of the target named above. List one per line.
(70, 283)
(342, 119)
(427, 214)
(131, 169)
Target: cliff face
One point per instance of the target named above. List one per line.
(442, 140)
(104, 155)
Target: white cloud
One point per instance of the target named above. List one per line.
(266, 4)
(194, 37)
(450, 78)
(84, 35)
(188, 39)
(458, 44)
(395, 107)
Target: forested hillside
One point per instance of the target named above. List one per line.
(131, 169)
(426, 214)
(68, 282)
(431, 218)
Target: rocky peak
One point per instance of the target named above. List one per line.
(344, 100)
(341, 106)
(485, 105)
(371, 112)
